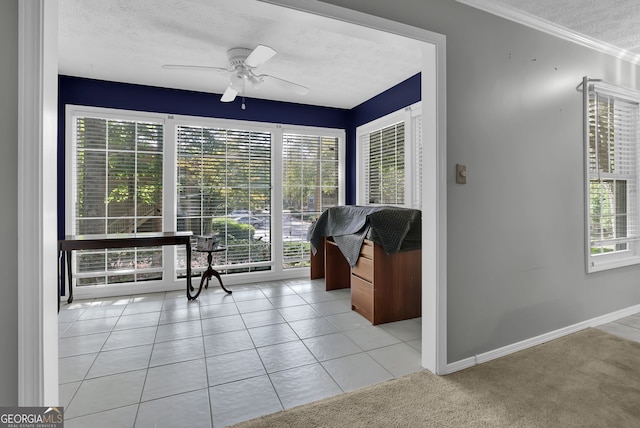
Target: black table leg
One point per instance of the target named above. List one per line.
(60, 269)
(189, 285)
(210, 272)
(67, 255)
(217, 275)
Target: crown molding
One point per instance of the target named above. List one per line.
(548, 27)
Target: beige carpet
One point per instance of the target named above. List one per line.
(586, 379)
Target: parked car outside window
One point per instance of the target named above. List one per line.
(247, 219)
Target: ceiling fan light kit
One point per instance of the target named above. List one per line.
(242, 63)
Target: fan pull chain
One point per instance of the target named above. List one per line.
(244, 81)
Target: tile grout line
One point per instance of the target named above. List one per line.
(144, 382)
(255, 347)
(303, 289)
(206, 367)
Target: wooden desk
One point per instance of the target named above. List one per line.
(384, 288)
(330, 264)
(98, 242)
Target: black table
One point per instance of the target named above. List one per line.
(206, 275)
(98, 242)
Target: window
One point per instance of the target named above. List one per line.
(384, 171)
(310, 184)
(612, 140)
(258, 186)
(390, 159)
(224, 187)
(117, 188)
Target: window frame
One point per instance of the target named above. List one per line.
(412, 118)
(631, 255)
(173, 123)
(340, 134)
(72, 111)
(171, 273)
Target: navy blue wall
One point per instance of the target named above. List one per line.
(98, 93)
(400, 96)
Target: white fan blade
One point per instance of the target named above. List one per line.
(260, 55)
(193, 67)
(286, 85)
(229, 95)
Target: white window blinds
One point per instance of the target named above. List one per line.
(310, 185)
(385, 169)
(145, 172)
(224, 187)
(390, 159)
(417, 150)
(117, 188)
(612, 145)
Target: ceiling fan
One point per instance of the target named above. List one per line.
(242, 64)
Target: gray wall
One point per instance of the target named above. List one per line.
(8, 206)
(516, 231)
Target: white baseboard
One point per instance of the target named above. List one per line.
(129, 289)
(461, 365)
(538, 340)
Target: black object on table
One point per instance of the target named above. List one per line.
(206, 275)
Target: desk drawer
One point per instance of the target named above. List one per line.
(367, 249)
(363, 269)
(362, 297)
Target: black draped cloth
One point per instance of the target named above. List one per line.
(396, 229)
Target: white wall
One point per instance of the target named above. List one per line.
(9, 202)
(515, 233)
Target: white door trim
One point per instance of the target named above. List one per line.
(434, 185)
(37, 203)
(37, 210)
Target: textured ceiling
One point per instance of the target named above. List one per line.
(615, 22)
(128, 41)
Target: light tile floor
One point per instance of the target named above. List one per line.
(158, 360)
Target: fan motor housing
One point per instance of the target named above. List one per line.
(237, 56)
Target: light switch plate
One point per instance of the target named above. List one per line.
(461, 173)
